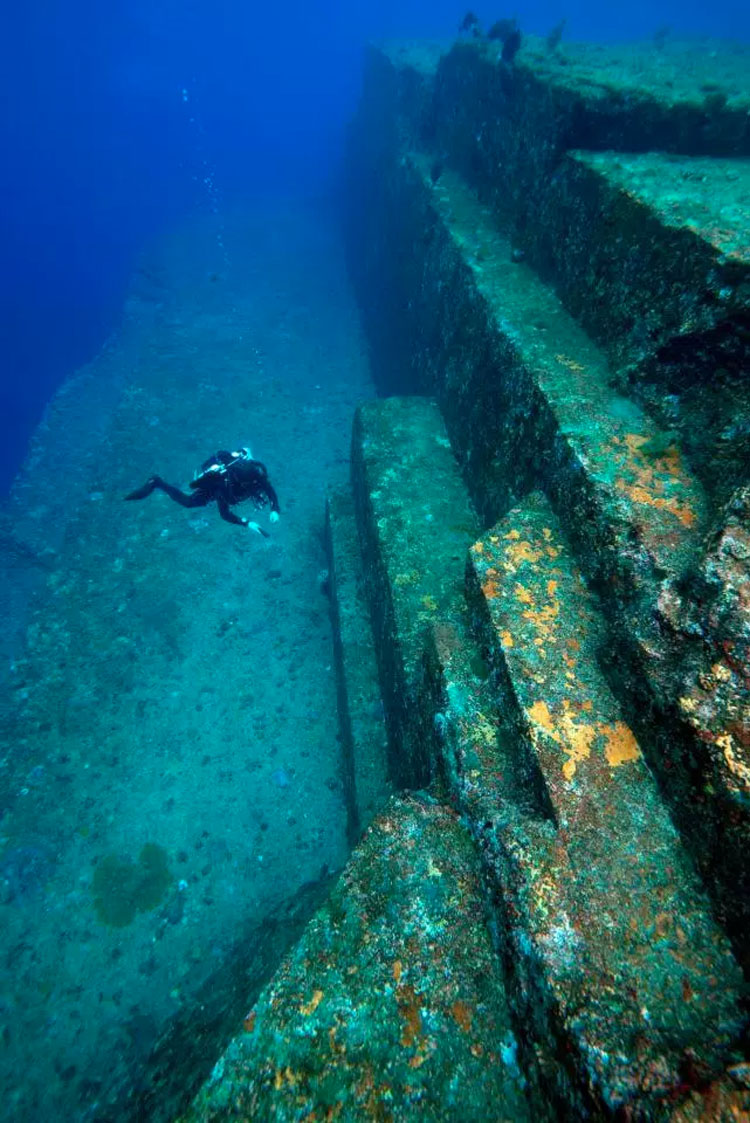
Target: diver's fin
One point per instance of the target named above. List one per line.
(142, 492)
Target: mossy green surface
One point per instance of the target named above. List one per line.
(123, 888)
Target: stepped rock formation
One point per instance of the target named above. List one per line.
(551, 601)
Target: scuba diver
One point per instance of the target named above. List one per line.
(228, 478)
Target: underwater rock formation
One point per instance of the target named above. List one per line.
(554, 530)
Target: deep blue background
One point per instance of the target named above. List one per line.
(99, 151)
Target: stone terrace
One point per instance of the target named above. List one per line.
(534, 359)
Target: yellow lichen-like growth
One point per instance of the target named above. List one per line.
(620, 745)
(571, 364)
(524, 595)
(739, 769)
(576, 738)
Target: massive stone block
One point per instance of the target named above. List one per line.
(392, 1006)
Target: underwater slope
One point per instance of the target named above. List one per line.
(171, 772)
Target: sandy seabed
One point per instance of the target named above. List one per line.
(171, 678)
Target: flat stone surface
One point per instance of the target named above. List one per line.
(630, 97)
(704, 73)
(392, 1006)
(651, 253)
(708, 197)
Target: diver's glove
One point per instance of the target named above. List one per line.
(256, 527)
(273, 517)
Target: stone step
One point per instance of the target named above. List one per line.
(626, 96)
(503, 121)
(415, 526)
(619, 963)
(647, 247)
(527, 400)
(652, 254)
(361, 719)
(392, 1005)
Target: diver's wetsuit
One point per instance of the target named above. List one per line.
(228, 478)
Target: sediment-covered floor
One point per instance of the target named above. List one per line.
(167, 681)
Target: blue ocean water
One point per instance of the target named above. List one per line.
(100, 150)
(172, 261)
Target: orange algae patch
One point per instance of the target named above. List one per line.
(543, 619)
(540, 715)
(313, 1004)
(397, 970)
(520, 552)
(461, 1012)
(651, 476)
(620, 746)
(641, 495)
(412, 1017)
(506, 638)
(489, 589)
(669, 461)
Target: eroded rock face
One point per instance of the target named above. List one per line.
(715, 693)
